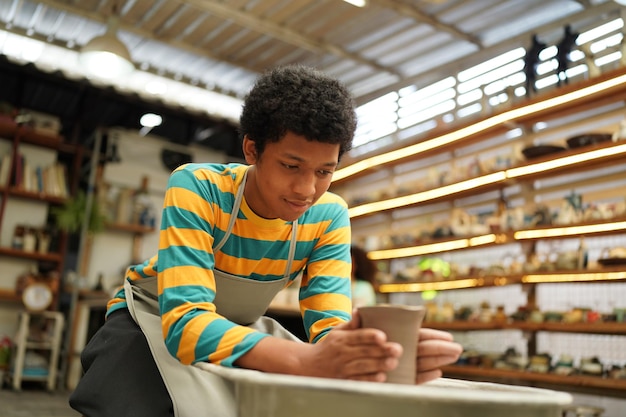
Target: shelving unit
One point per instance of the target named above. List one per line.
(48, 345)
(389, 205)
(19, 205)
(596, 92)
(579, 383)
(17, 136)
(592, 328)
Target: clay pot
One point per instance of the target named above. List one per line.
(401, 325)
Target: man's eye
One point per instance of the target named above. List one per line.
(290, 166)
(325, 172)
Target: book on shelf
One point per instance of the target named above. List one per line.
(124, 208)
(5, 169)
(18, 171)
(50, 180)
(61, 172)
(28, 178)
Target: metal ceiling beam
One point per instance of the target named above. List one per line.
(414, 13)
(242, 18)
(216, 88)
(282, 33)
(102, 18)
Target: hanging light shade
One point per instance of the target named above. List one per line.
(106, 56)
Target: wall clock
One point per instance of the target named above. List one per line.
(37, 296)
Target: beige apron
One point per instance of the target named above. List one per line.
(195, 392)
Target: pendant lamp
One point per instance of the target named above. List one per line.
(106, 56)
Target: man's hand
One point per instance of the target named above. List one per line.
(349, 352)
(435, 349)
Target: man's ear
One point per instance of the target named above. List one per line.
(249, 150)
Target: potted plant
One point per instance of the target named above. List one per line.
(70, 218)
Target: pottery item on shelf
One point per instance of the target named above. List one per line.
(573, 316)
(433, 269)
(540, 363)
(541, 150)
(582, 411)
(521, 314)
(542, 216)
(620, 132)
(432, 311)
(617, 372)
(567, 260)
(485, 314)
(472, 357)
(571, 209)
(617, 253)
(591, 366)
(613, 256)
(593, 316)
(511, 360)
(500, 316)
(536, 316)
(401, 325)
(565, 365)
(447, 312)
(588, 139)
(553, 317)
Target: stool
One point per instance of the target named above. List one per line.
(582, 411)
(51, 331)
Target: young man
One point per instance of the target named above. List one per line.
(231, 237)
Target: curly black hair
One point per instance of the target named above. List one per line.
(301, 100)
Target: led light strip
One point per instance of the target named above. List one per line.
(491, 238)
(493, 178)
(477, 282)
(592, 276)
(426, 195)
(569, 230)
(565, 161)
(431, 248)
(424, 286)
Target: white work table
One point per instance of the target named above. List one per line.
(258, 394)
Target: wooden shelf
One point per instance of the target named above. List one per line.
(47, 198)
(46, 140)
(499, 179)
(8, 127)
(48, 257)
(130, 228)
(9, 296)
(611, 328)
(510, 237)
(577, 382)
(586, 275)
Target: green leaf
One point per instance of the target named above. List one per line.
(71, 215)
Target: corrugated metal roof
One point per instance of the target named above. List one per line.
(222, 45)
(375, 49)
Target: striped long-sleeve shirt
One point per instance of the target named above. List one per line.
(197, 208)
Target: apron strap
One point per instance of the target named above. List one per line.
(233, 217)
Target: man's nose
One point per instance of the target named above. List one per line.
(304, 184)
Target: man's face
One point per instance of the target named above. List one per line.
(290, 175)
